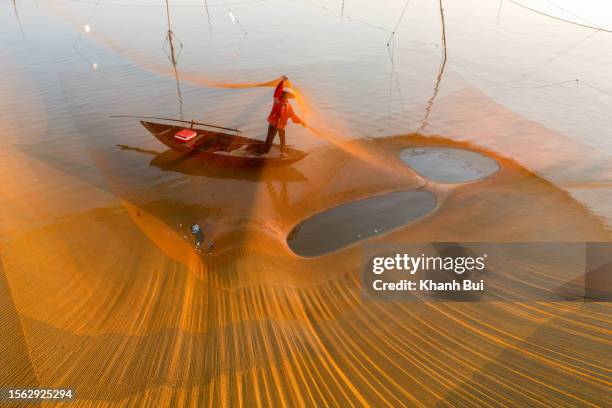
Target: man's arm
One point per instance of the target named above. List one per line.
(279, 88)
(294, 117)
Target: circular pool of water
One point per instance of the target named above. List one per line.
(345, 224)
(449, 164)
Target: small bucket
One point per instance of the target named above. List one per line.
(185, 135)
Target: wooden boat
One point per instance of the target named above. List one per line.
(223, 147)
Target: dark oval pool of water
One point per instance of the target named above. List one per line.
(449, 165)
(341, 226)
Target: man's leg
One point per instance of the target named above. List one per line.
(270, 138)
(281, 134)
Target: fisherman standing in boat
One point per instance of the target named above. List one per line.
(280, 114)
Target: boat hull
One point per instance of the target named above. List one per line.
(222, 147)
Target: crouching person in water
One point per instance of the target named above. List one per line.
(280, 114)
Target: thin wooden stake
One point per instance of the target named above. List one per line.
(428, 109)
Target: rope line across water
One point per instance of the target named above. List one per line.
(137, 5)
(516, 3)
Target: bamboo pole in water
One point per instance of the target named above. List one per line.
(430, 103)
(443, 32)
(174, 61)
(207, 14)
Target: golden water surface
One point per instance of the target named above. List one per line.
(101, 289)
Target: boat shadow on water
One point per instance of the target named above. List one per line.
(173, 161)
